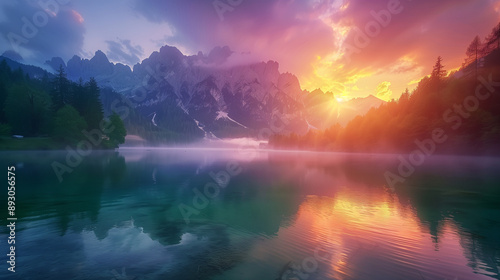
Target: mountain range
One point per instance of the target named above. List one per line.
(208, 96)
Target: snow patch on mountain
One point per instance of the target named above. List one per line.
(224, 115)
(208, 135)
(309, 126)
(153, 119)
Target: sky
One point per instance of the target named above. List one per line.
(352, 48)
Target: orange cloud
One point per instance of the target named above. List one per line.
(77, 16)
(311, 38)
(403, 51)
(383, 91)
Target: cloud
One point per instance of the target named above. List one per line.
(383, 91)
(404, 48)
(404, 65)
(40, 33)
(423, 29)
(124, 52)
(308, 38)
(290, 32)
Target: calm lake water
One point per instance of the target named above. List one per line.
(119, 215)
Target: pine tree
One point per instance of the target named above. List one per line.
(4, 69)
(78, 96)
(45, 82)
(17, 75)
(28, 110)
(404, 99)
(473, 53)
(438, 71)
(60, 89)
(493, 40)
(4, 80)
(3, 96)
(93, 110)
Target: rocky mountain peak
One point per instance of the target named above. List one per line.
(225, 101)
(100, 58)
(55, 63)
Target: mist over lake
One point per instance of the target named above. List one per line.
(325, 216)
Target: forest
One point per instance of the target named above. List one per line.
(52, 112)
(459, 107)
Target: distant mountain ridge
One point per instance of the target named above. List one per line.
(33, 71)
(220, 99)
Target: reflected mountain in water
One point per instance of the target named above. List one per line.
(121, 210)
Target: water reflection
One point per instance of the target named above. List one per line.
(308, 215)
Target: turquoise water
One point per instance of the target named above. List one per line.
(143, 214)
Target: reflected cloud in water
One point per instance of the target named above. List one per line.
(120, 210)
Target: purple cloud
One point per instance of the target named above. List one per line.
(41, 32)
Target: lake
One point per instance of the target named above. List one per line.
(236, 214)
